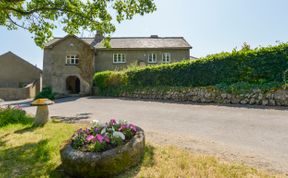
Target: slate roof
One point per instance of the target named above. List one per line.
(135, 43)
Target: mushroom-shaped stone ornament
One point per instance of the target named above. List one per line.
(42, 113)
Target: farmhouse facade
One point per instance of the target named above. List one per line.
(70, 62)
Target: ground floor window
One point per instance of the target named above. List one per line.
(152, 58)
(119, 58)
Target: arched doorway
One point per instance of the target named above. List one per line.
(73, 85)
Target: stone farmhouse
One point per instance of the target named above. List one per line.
(70, 62)
(18, 78)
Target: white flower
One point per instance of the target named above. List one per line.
(119, 134)
(123, 122)
(95, 122)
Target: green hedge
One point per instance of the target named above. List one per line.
(107, 79)
(260, 65)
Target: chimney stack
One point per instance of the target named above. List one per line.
(154, 36)
(98, 37)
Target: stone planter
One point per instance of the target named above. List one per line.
(105, 164)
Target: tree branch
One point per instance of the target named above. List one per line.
(15, 23)
(34, 10)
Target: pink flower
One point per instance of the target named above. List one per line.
(122, 127)
(113, 121)
(107, 139)
(133, 127)
(100, 138)
(18, 107)
(89, 138)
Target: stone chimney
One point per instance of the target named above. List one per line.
(98, 37)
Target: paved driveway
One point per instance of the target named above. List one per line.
(257, 136)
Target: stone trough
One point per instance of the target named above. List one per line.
(105, 164)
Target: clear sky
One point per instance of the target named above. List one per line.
(210, 26)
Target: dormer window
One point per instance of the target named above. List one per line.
(72, 59)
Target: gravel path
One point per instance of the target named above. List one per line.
(255, 136)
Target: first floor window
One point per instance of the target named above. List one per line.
(152, 58)
(119, 58)
(72, 59)
(166, 57)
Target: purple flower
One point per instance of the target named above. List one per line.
(87, 131)
(79, 131)
(113, 122)
(96, 129)
(100, 138)
(89, 138)
(133, 127)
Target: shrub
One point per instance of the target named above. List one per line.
(13, 115)
(46, 92)
(106, 79)
(100, 137)
(245, 87)
(260, 65)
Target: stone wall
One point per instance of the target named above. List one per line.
(56, 71)
(211, 95)
(30, 91)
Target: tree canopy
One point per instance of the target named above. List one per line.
(40, 17)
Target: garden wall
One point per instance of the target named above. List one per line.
(277, 97)
(29, 91)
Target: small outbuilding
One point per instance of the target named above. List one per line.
(18, 78)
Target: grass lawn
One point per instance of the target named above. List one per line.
(29, 152)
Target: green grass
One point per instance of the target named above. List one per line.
(34, 152)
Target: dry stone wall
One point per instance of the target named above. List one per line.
(207, 95)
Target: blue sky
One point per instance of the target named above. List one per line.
(210, 26)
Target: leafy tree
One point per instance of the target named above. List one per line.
(246, 47)
(40, 17)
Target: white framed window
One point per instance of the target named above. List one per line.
(72, 59)
(119, 58)
(152, 58)
(166, 57)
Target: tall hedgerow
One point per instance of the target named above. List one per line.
(260, 65)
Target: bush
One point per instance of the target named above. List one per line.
(257, 66)
(106, 79)
(13, 115)
(46, 92)
(244, 87)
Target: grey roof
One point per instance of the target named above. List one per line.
(136, 43)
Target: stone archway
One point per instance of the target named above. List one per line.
(73, 85)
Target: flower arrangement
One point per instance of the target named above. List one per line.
(102, 137)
